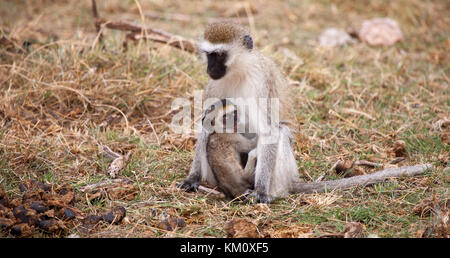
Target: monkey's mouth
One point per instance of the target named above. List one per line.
(216, 74)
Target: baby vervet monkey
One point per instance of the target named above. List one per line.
(231, 155)
(241, 73)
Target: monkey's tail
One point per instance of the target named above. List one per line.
(363, 180)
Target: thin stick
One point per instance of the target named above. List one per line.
(324, 173)
(208, 190)
(96, 17)
(366, 163)
(111, 154)
(154, 132)
(104, 183)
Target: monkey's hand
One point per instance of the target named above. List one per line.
(248, 195)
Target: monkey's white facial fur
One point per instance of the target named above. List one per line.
(220, 57)
(207, 47)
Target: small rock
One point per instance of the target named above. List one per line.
(334, 37)
(380, 32)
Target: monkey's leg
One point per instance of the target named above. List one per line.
(226, 167)
(276, 167)
(200, 170)
(265, 167)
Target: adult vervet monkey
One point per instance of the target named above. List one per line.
(238, 71)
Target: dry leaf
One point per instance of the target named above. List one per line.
(425, 206)
(353, 230)
(343, 166)
(241, 228)
(171, 223)
(399, 149)
(115, 167)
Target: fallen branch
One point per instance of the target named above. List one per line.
(188, 18)
(362, 180)
(137, 32)
(173, 41)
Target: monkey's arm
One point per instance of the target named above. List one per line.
(191, 182)
(360, 180)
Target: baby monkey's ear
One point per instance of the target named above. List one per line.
(248, 42)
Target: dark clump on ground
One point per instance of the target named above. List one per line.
(49, 210)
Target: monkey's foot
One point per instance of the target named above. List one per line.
(188, 186)
(253, 197)
(263, 198)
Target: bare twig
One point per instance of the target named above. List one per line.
(111, 154)
(397, 160)
(208, 190)
(104, 184)
(189, 18)
(324, 173)
(366, 163)
(173, 41)
(96, 17)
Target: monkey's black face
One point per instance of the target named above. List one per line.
(216, 65)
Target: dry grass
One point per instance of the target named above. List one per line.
(66, 94)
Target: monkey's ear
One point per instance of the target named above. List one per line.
(248, 42)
